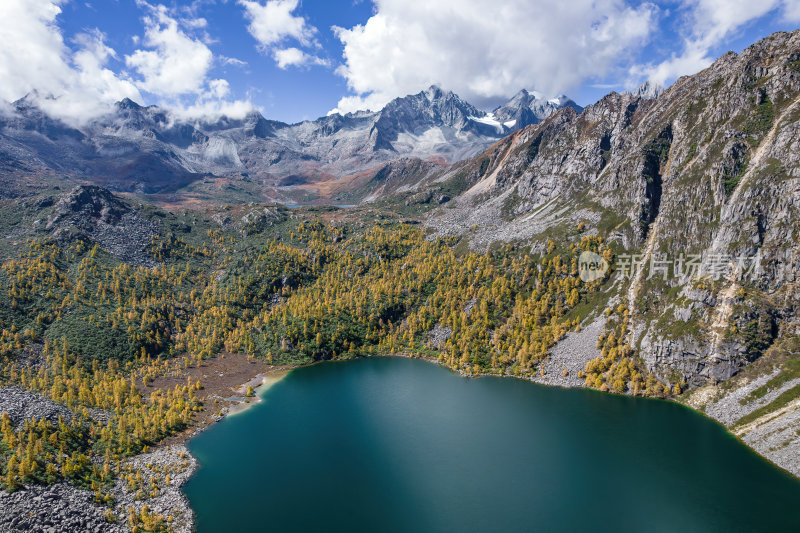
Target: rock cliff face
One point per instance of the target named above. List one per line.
(703, 176)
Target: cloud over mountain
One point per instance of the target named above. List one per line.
(707, 24)
(76, 83)
(172, 62)
(34, 58)
(485, 50)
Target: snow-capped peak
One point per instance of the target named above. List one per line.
(489, 119)
(530, 107)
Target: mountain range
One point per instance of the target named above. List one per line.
(150, 150)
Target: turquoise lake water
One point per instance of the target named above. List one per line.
(386, 445)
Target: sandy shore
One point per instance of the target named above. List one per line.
(261, 383)
(224, 381)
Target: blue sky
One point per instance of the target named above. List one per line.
(290, 94)
(298, 60)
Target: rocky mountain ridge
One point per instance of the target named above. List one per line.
(527, 108)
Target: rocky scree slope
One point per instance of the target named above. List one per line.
(63, 507)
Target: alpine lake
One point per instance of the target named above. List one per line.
(391, 445)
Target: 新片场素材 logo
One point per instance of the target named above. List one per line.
(591, 266)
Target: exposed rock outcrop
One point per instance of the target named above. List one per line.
(174, 463)
(94, 213)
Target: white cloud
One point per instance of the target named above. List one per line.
(232, 61)
(710, 23)
(75, 83)
(372, 102)
(195, 23)
(94, 80)
(212, 108)
(694, 59)
(5, 108)
(74, 86)
(273, 22)
(219, 88)
(174, 67)
(33, 55)
(175, 64)
(485, 50)
(791, 11)
(286, 57)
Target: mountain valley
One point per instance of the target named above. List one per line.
(139, 246)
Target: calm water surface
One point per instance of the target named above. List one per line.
(389, 445)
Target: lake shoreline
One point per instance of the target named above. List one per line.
(172, 498)
(225, 379)
(545, 380)
(272, 374)
(791, 469)
(225, 439)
